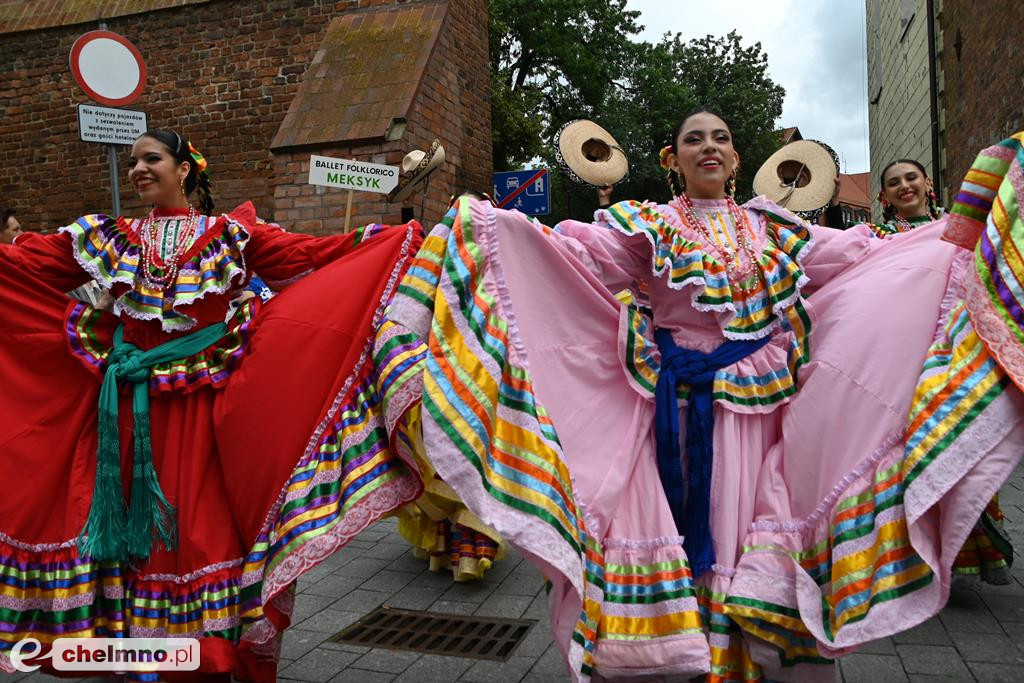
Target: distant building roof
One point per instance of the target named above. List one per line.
(855, 189)
(789, 135)
(365, 75)
(32, 15)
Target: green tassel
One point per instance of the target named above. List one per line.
(148, 503)
(103, 537)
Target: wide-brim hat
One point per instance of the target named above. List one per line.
(589, 154)
(417, 166)
(801, 176)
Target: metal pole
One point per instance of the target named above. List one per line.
(115, 186)
(933, 95)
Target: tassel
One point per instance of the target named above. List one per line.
(103, 537)
(148, 503)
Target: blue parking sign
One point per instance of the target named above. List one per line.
(527, 191)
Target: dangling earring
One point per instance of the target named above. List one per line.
(730, 185)
(182, 186)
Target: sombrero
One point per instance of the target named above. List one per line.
(589, 154)
(800, 176)
(417, 166)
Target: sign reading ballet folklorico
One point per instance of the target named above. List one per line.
(352, 175)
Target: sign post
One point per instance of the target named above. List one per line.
(527, 191)
(352, 175)
(111, 71)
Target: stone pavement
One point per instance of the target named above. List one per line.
(979, 636)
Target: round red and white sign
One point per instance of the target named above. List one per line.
(108, 67)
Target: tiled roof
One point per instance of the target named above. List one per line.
(365, 74)
(855, 189)
(791, 134)
(32, 15)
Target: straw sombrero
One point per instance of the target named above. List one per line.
(800, 177)
(589, 154)
(417, 166)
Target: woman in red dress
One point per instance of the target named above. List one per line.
(169, 469)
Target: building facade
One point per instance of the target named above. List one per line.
(944, 81)
(258, 86)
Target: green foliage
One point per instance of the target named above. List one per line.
(554, 61)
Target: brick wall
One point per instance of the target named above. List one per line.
(984, 85)
(898, 77)
(223, 73)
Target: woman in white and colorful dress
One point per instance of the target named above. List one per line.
(170, 474)
(908, 202)
(782, 538)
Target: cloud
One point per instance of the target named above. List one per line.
(816, 51)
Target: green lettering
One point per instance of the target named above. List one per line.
(333, 178)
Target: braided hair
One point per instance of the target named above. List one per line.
(198, 178)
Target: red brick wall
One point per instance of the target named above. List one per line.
(982, 94)
(223, 73)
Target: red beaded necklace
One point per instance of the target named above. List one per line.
(158, 272)
(745, 278)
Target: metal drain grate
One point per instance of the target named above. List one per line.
(437, 634)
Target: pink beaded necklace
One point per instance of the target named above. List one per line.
(745, 278)
(157, 272)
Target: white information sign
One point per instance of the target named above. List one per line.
(110, 126)
(352, 175)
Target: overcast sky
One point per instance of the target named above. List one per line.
(816, 51)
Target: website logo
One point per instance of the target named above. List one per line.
(109, 654)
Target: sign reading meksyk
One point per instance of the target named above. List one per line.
(109, 125)
(352, 175)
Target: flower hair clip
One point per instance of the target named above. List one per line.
(197, 157)
(663, 156)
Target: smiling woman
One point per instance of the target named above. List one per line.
(163, 454)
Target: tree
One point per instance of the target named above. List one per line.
(551, 61)
(554, 61)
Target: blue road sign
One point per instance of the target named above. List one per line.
(527, 191)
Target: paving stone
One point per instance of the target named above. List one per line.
(538, 608)
(373, 533)
(934, 660)
(931, 632)
(921, 678)
(536, 641)
(361, 545)
(988, 648)
(387, 551)
(869, 668)
(505, 606)
(334, 586)
(345, 647)
(330, 621)
(318, 665)
(518, 583)
(550, 662)
(966, 612)
(388, 581)
(435, 668)
(438, 580)
(414, 597)
(996, 673)
(469, 591)
(360, 600)
(407, 562)
(297, 642)
(544, 678)
(1004, 607)
(388, 661)
(365, 567)
(506, 672)
(878, 647)
(361, 676)
(450, 607)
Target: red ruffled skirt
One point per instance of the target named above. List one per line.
(273, 453)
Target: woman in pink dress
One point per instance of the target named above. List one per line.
(710, 544)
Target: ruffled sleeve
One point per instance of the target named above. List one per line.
(280, 257)
(46, 259)
(614, 258)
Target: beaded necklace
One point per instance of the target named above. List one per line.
(903, 225)
(158, 272)
(744, 278)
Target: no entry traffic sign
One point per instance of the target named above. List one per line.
(108, 67)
